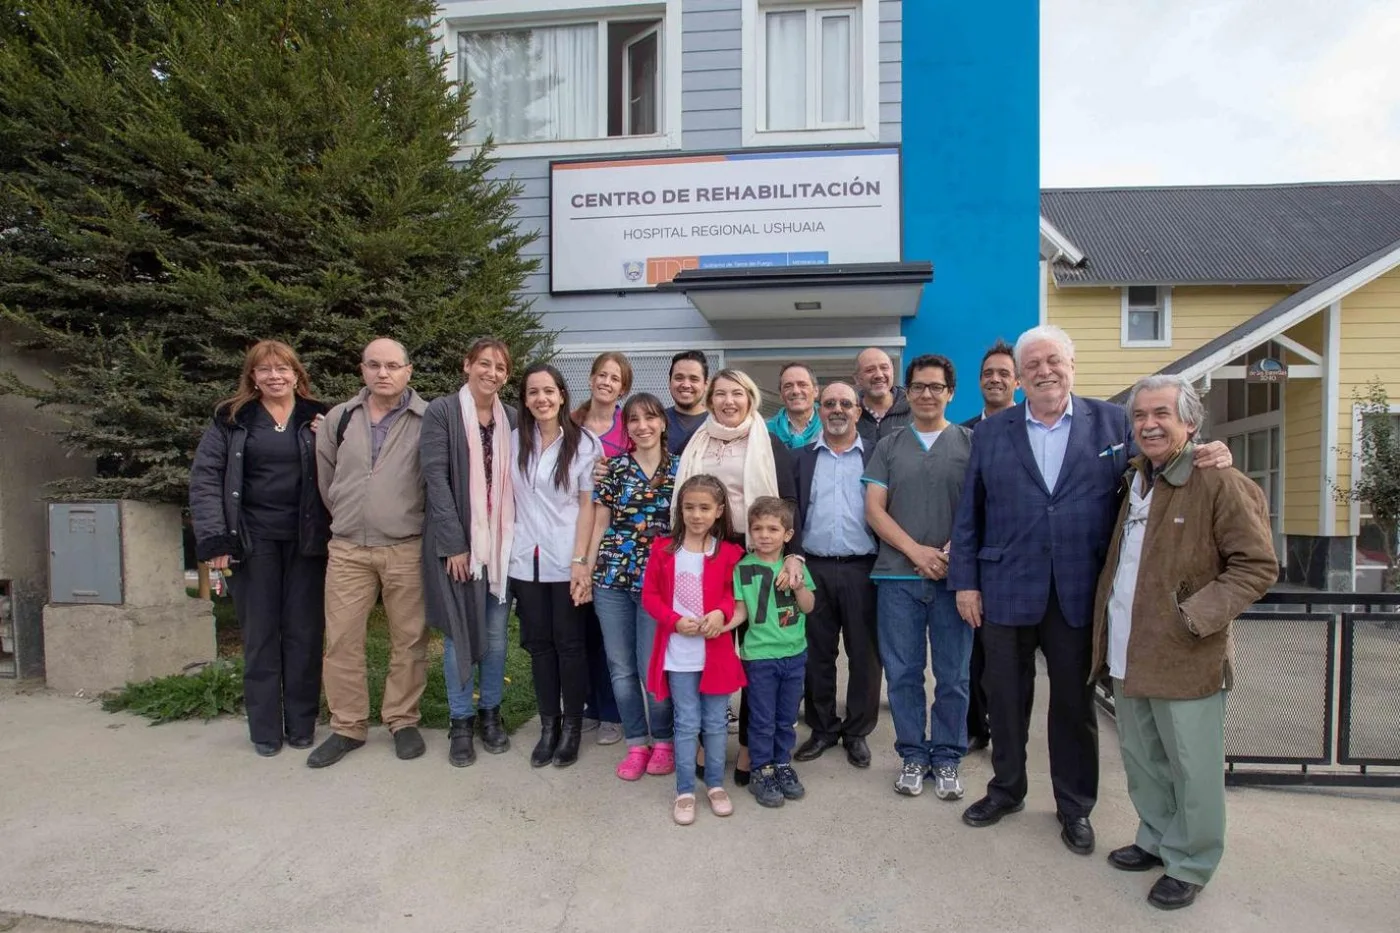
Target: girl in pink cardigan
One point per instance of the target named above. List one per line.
(688, 588)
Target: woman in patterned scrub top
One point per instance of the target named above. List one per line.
(635, 495)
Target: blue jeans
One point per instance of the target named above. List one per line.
(460, 703)
(917, 618)
(698, 714)
(628, 635)
(775, 690)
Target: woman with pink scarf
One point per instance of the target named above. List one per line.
(464, 453)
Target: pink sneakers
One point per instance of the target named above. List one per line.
(663, 759)
(636, 763)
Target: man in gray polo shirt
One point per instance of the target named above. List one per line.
(912, 485)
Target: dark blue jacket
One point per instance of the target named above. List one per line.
(1012, 536)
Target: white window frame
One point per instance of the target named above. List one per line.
(866, 40)
(1164, 295)
(1254, 423)
(626, 102)
(1353, 506)
(459, 16)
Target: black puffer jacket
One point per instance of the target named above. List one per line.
(216, 485)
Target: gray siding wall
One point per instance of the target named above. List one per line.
(711, 115)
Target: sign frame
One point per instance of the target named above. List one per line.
(897, 148)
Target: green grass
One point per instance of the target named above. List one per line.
(218, 688)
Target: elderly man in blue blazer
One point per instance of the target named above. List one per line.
(1031, 535)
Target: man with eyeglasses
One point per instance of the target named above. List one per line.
(367, 465)
(912, 487)
(840, 556)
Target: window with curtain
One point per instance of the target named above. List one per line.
(810, 67)
(552, 83)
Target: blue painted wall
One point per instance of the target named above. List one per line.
(971, 130)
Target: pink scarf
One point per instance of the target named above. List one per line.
(493, 516)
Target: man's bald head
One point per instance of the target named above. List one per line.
(875, 374)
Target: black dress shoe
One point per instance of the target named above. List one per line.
(493, 732)
(1133, 858)
(1077, 834)
(408, 743)
(332, 750)
(300, 741)
(460, 750)
(267, 749)
(857, 752)
(812, 749)
(1171, 894)
(977, 743)
(987, 812)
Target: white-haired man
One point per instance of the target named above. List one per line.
(1191, 550)
(1031, 535)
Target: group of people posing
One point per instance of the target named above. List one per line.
(712, 553)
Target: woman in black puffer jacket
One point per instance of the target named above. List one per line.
(258, 515)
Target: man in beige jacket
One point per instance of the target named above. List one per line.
(367, 469)
(1191, 551)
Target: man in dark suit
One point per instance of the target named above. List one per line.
(998, 384)
(840, 554)
(1032, 531)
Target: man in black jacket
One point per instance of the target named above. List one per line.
(840, 554)
(883, 406)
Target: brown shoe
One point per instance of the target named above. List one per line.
(683, 810)
(719, 801)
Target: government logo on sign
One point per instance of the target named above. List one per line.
(633, 270)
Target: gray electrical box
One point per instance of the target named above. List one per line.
(85, 553)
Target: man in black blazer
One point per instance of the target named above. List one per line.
(998, 384)
(840, 551)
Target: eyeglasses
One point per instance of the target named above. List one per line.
(831, 404)
(926, 388)
(272, 370)
(389, 368)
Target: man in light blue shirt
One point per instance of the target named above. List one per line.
(1049, 442)
(840, 556)
(797, 424)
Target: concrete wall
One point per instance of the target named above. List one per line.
(29, 457)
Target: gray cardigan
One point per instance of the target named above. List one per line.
(456, 609)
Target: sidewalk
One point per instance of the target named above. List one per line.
(104, 819)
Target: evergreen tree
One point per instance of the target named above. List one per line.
(181, 178)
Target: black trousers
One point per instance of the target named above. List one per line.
(279, 596)
(1073, 725)
(552, 630)
(845, 609)
(978, 726)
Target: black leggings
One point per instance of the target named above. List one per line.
(552, 631)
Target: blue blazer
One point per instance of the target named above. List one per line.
(1012, 536)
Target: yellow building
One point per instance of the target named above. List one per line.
(1218, 284)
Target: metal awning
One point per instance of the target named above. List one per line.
(853, 290)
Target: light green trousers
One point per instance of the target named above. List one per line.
(1174, 756)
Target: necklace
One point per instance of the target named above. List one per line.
(279, 426)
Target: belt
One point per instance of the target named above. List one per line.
(841, 558)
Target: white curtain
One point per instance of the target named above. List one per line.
(533, 85)
(836, 69)
(786, 77)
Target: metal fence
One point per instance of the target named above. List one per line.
(1317, 691)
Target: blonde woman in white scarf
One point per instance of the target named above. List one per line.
(734, 446)
(464, 453)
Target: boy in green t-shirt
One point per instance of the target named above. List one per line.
(773, 649)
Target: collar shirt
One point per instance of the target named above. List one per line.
(835, 523)
(1048, 444)
(546, 516)
(1120, 600)
(379, 430)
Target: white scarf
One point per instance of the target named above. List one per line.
(493, 521)
(760, 472)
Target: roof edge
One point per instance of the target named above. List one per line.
(1054, 245)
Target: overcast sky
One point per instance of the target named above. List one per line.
(1142, 92)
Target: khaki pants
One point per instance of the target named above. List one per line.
(355, 576)
(1174, 756)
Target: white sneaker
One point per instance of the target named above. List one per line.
(609, 733)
